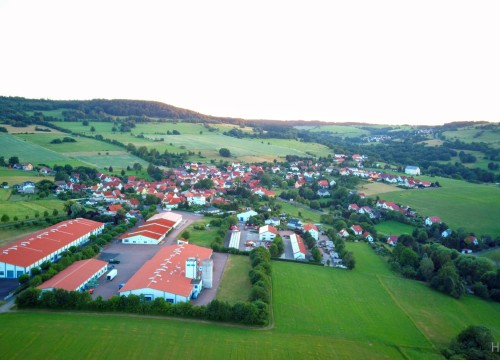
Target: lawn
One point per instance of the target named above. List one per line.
(305, 214)
(319, 312)
(474, 207)
(235, 277)
(393, 228)
(202, 237)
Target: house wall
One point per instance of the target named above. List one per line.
(141, 239)
(267, 236)
(152, 294)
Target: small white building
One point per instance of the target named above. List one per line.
(298, 247)
(412, 170)
(245, 216)
(312, 229)
(275, 221)
(267, 233)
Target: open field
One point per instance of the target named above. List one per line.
(320, 312)
(12, 176)
(27, 152)
(201, 237)
(235, 285)
(28, 129)
(476, 134)
(393, 228)
(118, 160)
(377, 188)
(456, 203)
(339, 130)
(10, 235)
(81, 144)
(493, 255)
(306, 214)
(22, 208)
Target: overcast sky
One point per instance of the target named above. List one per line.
(393, 62)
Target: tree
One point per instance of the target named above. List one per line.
(5, 218)
(13, 160)
(475, 342)
(24, 278)
(55, 212)
(92, 129)
(186, 234)
(448, 281)
(85, 123)
(273, 249)
(316, 254)
(224, 152)
(110, 169)
(349, 260)
(426, 268)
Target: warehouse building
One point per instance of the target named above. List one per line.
(169, 216)
(76, 276)
(298, 247)
(177, 273)
(152, 232)
(267, 233)
(23, 255)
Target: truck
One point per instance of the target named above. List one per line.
(111, 275)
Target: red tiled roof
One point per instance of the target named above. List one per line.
(166, 270)
(74, 275)
(32, 248)
(357, 228)
(268, 228)
(309, 227)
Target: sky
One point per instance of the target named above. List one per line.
(387, 62)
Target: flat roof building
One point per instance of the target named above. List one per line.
(76, 276)
(24, 254)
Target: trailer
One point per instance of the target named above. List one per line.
(111, 275)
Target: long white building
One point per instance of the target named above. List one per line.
(31, 251)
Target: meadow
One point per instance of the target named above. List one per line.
(27, 209)
(319, 312)
(475, 134)
(460, 204)
(393, 228)
(12, 176)
(27, 151)
(493, 255)
(235, 277)
(339, 130)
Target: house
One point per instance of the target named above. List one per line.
(432, 220)
(267, 233)
(177, 273)
(298, 247)
(273, 221)
(169, 216)
(392, 240)
(76, 276)
(31, 251)
(368, 236)
(358, 230)
(353, 207)
(466, 251)
(343, 233)
(245, 216)
(412, 170)
(323, 184)
(446, 233)
(323, 192)
(294, 224)
(114, 208)
(368, 211)
(471, 240)
(27, 187)
(313, 230)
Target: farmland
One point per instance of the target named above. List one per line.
(393, 228)
(10, 235)
(319, 313)
(18, 176)
(475, 134)
(338, 130)
(455, 202)
(28, 152)
(235, 285)
(28, 209)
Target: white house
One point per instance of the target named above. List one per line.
(177, 273)
(245, 216)
(412, 170)
(358, 230)
(298, 247)
(76, 276)
(432, 220)
(267, 233)
(313, 230)
(273, 221)
(21, 256)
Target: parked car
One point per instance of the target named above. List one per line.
(114, 261)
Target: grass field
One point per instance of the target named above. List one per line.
(377, 188)
(493, 255)
(474, 207)
(8, 236)
(368, 313)
(23, 208)
(81, 144)
(202, 237)
(306, 214)
(339, 130)
(5, 194)
(235, 277)
(18, 176)
(28, 152)
(393, 228)
(475, 134)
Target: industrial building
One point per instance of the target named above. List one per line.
(76, 276)
(169, 216)
(298, 247)
(177, 273)
(267, 233)
(23, 255)
(152, 232)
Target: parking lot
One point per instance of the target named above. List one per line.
(132, 257)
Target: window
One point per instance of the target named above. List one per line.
(2, 273)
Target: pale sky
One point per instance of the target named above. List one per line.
(377, 61)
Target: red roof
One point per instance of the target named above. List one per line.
(268, 228)
(302, 247)
(75, 275)
(435, 219)
(32, 248)
(309, 227)
(166, 270)
(114, 207)
(356, 228)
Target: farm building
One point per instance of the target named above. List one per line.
(313, 230)
(298, 247)
(76, 276)
(412, 170)
(267, 233)
(245, 216)
(169, 216)
(152, 232)
(23, 255)
(177, 273)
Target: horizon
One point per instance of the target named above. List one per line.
(383, 63)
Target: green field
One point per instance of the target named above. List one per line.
(476, 134)
(337, 130)
(235, 277)
(305, 214)
(28, 152)
(202, 237)
(82, 144)
(207, 143)
(18, 176)
(474, 207)
(393, 228)
(9, 235)
(23, 208)
(492, 255)
(368, 313)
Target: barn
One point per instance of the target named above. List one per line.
(23, 255)
(177, 273)
(76, 276)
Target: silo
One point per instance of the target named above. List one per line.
(207, 273)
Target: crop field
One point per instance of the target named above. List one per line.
(116, 159)
(28, 129)
(28, 152)
(337, 130)
(18, 176)
(81, 144)
(319, 313)
(393, 228)
(474, 207)
(23, 208)
(235, 277)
